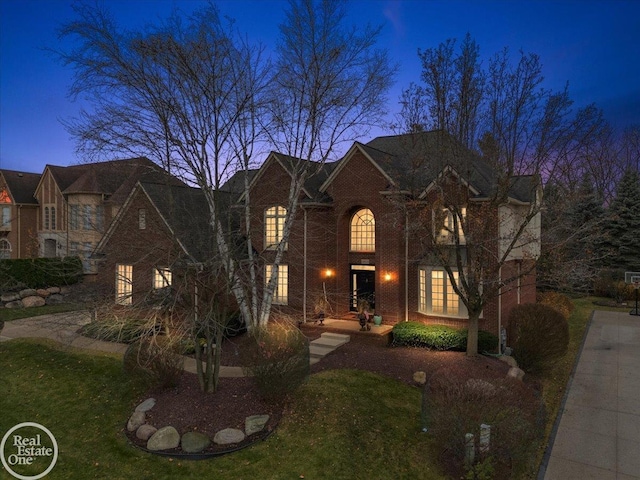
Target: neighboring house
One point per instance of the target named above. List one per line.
(78, 202)
(159, 235)
(350, 240)
(18, 214)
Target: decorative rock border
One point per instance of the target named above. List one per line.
(193, 445)
(30, 297)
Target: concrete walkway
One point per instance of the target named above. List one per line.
(598, 434)
(62, 328)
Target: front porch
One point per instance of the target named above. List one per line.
(342, 325)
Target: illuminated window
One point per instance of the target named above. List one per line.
(436, 294)
(274, 219)
(446, 222)
(281, 293)
(363, 231)
(142, 219)
(5, 249)
(161, 278)
(124, 284)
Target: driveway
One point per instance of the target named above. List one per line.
(598, 435)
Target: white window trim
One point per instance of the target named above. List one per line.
(278, 215)
(425, 294)
(445, 236)
(281, 292)
(124, 284)
(358, 243)
(162, 278)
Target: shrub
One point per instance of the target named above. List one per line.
(539, 336)
(439, 337)
(556, 300)
(278, 360)
(154, 361)
(121, 326)
(40, 272)
(458, 404)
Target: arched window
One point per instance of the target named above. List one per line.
(363, 231)
(274, 218)
(5, 249)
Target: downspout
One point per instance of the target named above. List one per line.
(304, 270)
(500, 311)
(19, 229)
(406, 267)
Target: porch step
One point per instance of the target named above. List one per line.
(324, 345)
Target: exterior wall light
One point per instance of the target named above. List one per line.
(328, 273)
(387, 277)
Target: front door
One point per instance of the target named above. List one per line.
(363, 286)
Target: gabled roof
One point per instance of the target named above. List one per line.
(114, 178)
(22, 186)
(414, 162)
(185, 212)
(317, 174)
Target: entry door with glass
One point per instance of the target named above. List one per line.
(363, 285)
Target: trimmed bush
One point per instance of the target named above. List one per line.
(39, 272)
(278, 361)
(539, 336)
(556, 300)
(439, 337)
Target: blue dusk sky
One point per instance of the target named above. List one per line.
(592, 45)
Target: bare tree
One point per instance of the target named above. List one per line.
(487, 240)
(193, 96)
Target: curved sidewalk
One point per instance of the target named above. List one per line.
(598, 435)
(63, 327)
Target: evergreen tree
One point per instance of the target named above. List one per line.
(623, 226)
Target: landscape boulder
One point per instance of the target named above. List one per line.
(420, 378)
(194, 442)
(255, 423)
(509, 360)
(28, 292)
(137, 419)
(9, 297)
(33, 301)
(165, 438)
(14, 304)
(55, 299)
(228, 436)
(515, 372)
(53, 290)
(144, 432)
(147, 405)
(41, 292)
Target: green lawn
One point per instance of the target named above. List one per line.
(341, 424)
(8, 314)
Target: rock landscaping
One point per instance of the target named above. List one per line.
(164, 425)
(29, 297)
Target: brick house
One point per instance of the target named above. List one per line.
(352, 238)
(78, 202)
(160, 238)
(18, 214)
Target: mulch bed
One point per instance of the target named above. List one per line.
(186, 408)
